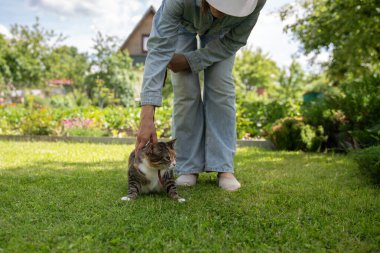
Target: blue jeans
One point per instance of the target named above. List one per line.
(204, 124)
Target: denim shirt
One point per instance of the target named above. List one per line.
(176, 14)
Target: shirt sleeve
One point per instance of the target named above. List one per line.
(161, 47)
(221, 49)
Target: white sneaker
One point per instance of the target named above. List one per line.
(187, 180)
(228, 183)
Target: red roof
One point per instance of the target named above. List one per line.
(60, 82)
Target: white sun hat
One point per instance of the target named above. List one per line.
(237, 8)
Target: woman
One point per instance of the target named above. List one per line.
(203, 122)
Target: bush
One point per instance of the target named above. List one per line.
(256, 115)
(70, 100)
(39, 122)
(163, 119)
(86, 132)
(79, 121)
(11, 119)
(294, 134)
(122, 119)
(348, 114)
(369, 162)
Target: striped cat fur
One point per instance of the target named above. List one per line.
(152, 171)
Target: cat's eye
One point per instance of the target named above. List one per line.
(167, 158)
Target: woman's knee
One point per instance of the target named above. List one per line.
(185, 86)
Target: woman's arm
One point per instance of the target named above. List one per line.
(161, 47)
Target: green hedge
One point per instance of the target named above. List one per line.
(257, 116)
(349, 114)
(253, 118)
(369, 162)
(294, 134)
(78, 121)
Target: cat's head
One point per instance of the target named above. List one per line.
(160, 155)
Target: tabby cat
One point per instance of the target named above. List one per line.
(152, 171)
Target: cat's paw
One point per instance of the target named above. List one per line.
(126, 198)
(180, 200)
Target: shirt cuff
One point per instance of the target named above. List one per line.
(151, 98)
(194, 61)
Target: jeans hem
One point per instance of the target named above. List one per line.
(230, 170)
(188, 172)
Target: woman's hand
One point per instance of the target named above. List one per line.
(178, 63)
(147, 130)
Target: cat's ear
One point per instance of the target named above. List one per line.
(171, 143)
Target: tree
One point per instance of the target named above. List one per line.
(27, 49)
(348, 29)
(33, 55)
(102, 95)
(255, 69)
(65, 62)
(292, 82)
(113, 67)
(4, 70)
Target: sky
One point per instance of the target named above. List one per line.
(80, 20)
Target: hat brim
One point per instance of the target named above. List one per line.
(237, 8)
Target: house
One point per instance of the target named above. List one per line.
(58, 86)
(136, 43)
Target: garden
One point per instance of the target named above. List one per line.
(316, 191)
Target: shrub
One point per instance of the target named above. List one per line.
(35, 101)
(114, 118)
(71, 100)
(369, 162)
(11, 119)
(122, 119)
(83, 127)
(348, 114)
(86, 132)
(80, 121)
(294, 134)
(163, 119)
(256, 115)
(39, 122)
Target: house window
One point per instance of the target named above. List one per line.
(145, 38)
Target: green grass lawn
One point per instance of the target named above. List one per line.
(60, 197)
